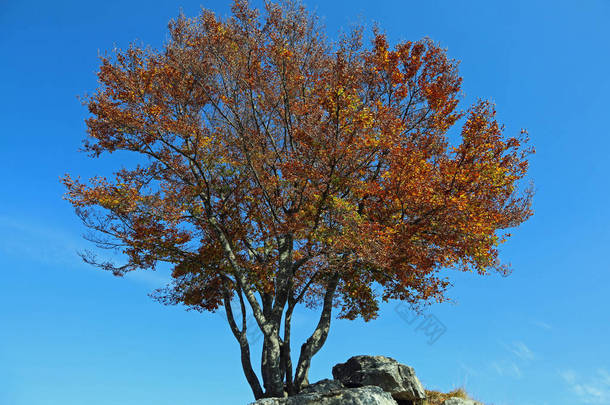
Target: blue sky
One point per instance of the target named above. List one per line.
(72, 334)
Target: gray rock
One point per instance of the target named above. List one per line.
(460, 401)
(345, 396)
(325, 385)
(385, 372)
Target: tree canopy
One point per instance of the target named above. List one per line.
(279, 168)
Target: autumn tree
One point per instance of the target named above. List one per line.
(278, 168)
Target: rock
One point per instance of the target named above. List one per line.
(345, 396)
(397, 379)
(460, 401)
(325, 385)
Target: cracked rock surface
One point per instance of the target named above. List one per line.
(385, 372)
(369, 395)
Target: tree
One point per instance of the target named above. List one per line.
(280, 169)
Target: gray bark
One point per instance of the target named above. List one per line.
(315, 342)
(285, 357)
(244, 347)
(240, 276)
(276, 364)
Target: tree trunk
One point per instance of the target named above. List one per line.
(285, 357)
(248, 370)
(273, 346)
(275, 386)
(276, 365)
(271, 367)
(265, 363)
(242, 339)
(315, 342)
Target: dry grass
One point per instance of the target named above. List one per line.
(437, 397)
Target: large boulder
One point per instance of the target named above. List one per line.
(343, 396)
(321, 386)
(460, 401)
(385, 372)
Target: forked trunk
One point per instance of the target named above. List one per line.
(276, 364)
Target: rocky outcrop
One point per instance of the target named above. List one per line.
(324, 385)
(385, 372)
(369, 395)
(361, 380)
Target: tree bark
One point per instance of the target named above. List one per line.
(285, 357)
(248, 370)
(239, 274)
(242, 339)
(276, 364)
(272, 366)
(265, 364)
(315, 342)
(276, 384)
(284, 278)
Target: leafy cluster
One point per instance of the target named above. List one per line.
(254, 129)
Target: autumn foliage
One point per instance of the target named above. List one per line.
(279, 168)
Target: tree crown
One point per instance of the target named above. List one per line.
(270, 150)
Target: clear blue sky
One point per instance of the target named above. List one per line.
(72, 335)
